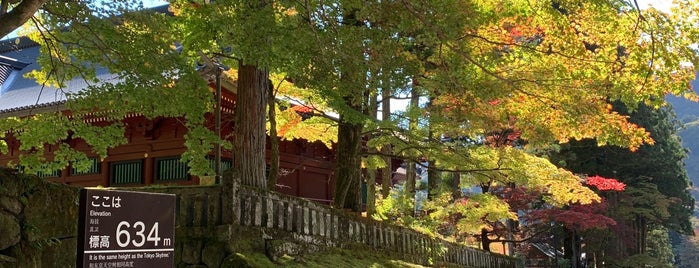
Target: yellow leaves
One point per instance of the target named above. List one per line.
(373, 162)
(523, 169)
(565, 188)
(290, 125)
(475, 211)
(567, 64)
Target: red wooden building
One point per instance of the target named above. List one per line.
(154, 145)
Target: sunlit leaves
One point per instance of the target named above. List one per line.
(473, 212)
(555, 68)
(604, 184)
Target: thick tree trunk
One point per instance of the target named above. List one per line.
(9, 21)
(273, 140)
(348, 169)
(250, 123)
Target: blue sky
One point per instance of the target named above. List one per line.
(146, 3)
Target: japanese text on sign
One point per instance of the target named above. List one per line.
(126, 229)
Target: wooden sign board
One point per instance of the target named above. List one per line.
(126, 229)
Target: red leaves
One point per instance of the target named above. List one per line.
(578, 217)
(584, 217)
(604, 184)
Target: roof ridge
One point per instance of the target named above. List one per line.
(12, 62)
(16, 43)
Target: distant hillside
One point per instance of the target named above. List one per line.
(690, 140)
(688, 112)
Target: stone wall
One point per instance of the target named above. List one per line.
(38, 222)
(201, 232)
(38, 227)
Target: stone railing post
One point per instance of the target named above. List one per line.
(230, 184)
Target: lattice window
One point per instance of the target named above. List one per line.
(170, 169)
(226, 163)
(95, 168)
(41, 174)
(126, 172)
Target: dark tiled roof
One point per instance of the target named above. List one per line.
(16, 44)
(13, 63)
(9, 65)
(25, 94)
(5, 72)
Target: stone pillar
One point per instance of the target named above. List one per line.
(230, 184)
(270, 212)
(306, 221)
(289, 216)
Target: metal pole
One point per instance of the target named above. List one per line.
(217, 145)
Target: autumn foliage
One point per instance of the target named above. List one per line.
(576, 217)
(604, 184)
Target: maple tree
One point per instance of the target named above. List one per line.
(546, 70)
(656, 193)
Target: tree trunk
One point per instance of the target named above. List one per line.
(273, 140)
(348, 169)
(371, 192)
(410, 169)
(433, 175)
(433, 180)
(455, 185)
(21, 13)
(386, 172)
(371, 171)
(250, 123)
(485, 240)
(410, 178)
(571, 248)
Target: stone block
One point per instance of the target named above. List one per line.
(213, 253)
(235, 261)
(7, 261)
(10, 230)
(48, 205)
(10, 204)
(11, 184)
(191, 252)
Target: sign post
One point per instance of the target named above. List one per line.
(126, 229)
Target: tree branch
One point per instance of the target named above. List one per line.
(18, 15)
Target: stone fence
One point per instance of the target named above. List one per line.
(38, 226)
(203, 211)
(322, 225)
